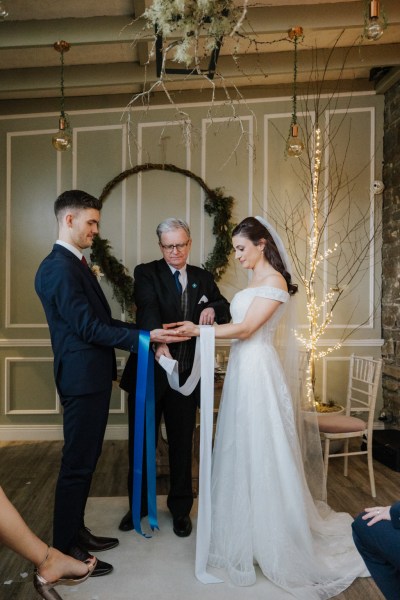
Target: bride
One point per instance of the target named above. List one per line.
(267, 484)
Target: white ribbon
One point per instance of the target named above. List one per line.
(203, 366)
(171, 367)
(203, 534)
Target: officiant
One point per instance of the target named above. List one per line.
(166, 291)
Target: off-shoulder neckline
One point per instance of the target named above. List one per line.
(260, 287)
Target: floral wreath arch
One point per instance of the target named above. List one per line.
(216, 204)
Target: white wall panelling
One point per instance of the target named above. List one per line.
(10, 395)
(14, 171)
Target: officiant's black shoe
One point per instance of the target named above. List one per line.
(182, 526)
(94, 543)
(126, 521)
(101, 568)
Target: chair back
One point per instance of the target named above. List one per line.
(363, 387)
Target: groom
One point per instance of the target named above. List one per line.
(167, 291)
(83, 336)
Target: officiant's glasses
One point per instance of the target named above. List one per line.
(171, 247)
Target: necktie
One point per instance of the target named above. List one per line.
(84, 261)
(177, 282)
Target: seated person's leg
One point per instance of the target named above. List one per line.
(379, 546)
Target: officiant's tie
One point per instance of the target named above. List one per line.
(177, 282)
(182, 352)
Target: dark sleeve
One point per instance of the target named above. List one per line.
(70, 302)
(395, 515)
(217, 302)
(119, 323)
(148, 310)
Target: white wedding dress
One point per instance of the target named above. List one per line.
(262, 510)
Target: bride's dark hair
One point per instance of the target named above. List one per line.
(255, 231)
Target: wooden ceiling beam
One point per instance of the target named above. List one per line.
(263, 20)
(107, 76)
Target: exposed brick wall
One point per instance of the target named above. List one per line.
(391, 250)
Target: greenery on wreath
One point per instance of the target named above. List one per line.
(115, 273)
(216, 204)
(220, 206)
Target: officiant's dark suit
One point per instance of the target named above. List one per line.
(158, 301)
(83, 336)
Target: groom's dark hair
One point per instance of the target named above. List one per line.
(76, 199)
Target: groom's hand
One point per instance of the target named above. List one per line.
(166, 336)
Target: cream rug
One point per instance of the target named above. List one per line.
(160, 568)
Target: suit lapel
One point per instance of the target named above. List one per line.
(86, 272)
(96, 286)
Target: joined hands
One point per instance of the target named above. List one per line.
(184, 330)
(167, 335)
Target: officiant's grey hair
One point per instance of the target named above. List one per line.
(172, 224)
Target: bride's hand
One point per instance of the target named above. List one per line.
(187, 328)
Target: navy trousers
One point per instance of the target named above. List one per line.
(85, 421)
(379, 546)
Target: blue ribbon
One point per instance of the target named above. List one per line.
(144, 416)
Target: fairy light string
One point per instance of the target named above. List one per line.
(319, 315)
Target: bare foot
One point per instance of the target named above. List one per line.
(59, 565)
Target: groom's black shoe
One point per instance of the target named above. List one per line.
(182, 526)
(126, 521)
(101, 568)
(94, 543)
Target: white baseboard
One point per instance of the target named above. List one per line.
(43, 433)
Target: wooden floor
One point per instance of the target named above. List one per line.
(28, 474)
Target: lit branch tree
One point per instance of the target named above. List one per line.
(330, 231)
(330, 245)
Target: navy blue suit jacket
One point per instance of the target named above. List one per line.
(83, 332)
